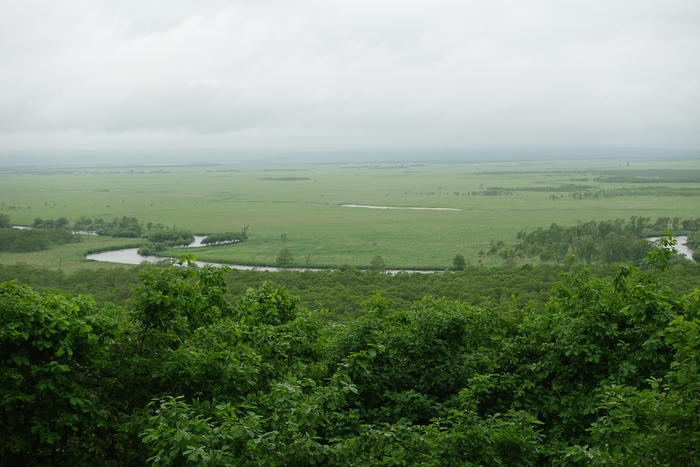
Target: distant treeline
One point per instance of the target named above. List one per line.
(617, 240)
(650, 176)
(490, 191)
(284, 179)
(616, 175)
(545, 189)
(584, 192)
(636, 191)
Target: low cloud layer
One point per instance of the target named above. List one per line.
(326, 74)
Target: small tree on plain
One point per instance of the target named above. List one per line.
(377, 264)
(284, 258)
(458, 263)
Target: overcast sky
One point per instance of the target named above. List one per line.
(348, 75)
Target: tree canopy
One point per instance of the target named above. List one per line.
(604, 372)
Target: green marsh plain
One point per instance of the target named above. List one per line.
(300, 206)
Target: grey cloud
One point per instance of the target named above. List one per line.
(336, 74)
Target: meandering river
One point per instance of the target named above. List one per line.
(196, 243)
(680, 247)
(132, 256)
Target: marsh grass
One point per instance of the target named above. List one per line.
(320, 232)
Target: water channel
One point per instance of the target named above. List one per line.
(680, 247)
(132, 256)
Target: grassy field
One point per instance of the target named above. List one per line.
(495, 201)
(69, 256)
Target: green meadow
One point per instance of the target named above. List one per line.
(299, 206)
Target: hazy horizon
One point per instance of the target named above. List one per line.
(90, 81)
(199, 157)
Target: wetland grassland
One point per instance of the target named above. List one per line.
(300, 207)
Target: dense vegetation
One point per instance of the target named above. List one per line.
(604, 372)
(227, 237)
(40, 223)
(117, 227)
(342, 292)
(47, 232)
(132, 227)
(25, 240)
(617, 240)
(557, 363)
(160, 238)
(171, 236)
(20, 241)
(53, 231)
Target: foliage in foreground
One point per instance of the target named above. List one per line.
(606, 372)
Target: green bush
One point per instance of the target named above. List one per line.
(604, 372)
